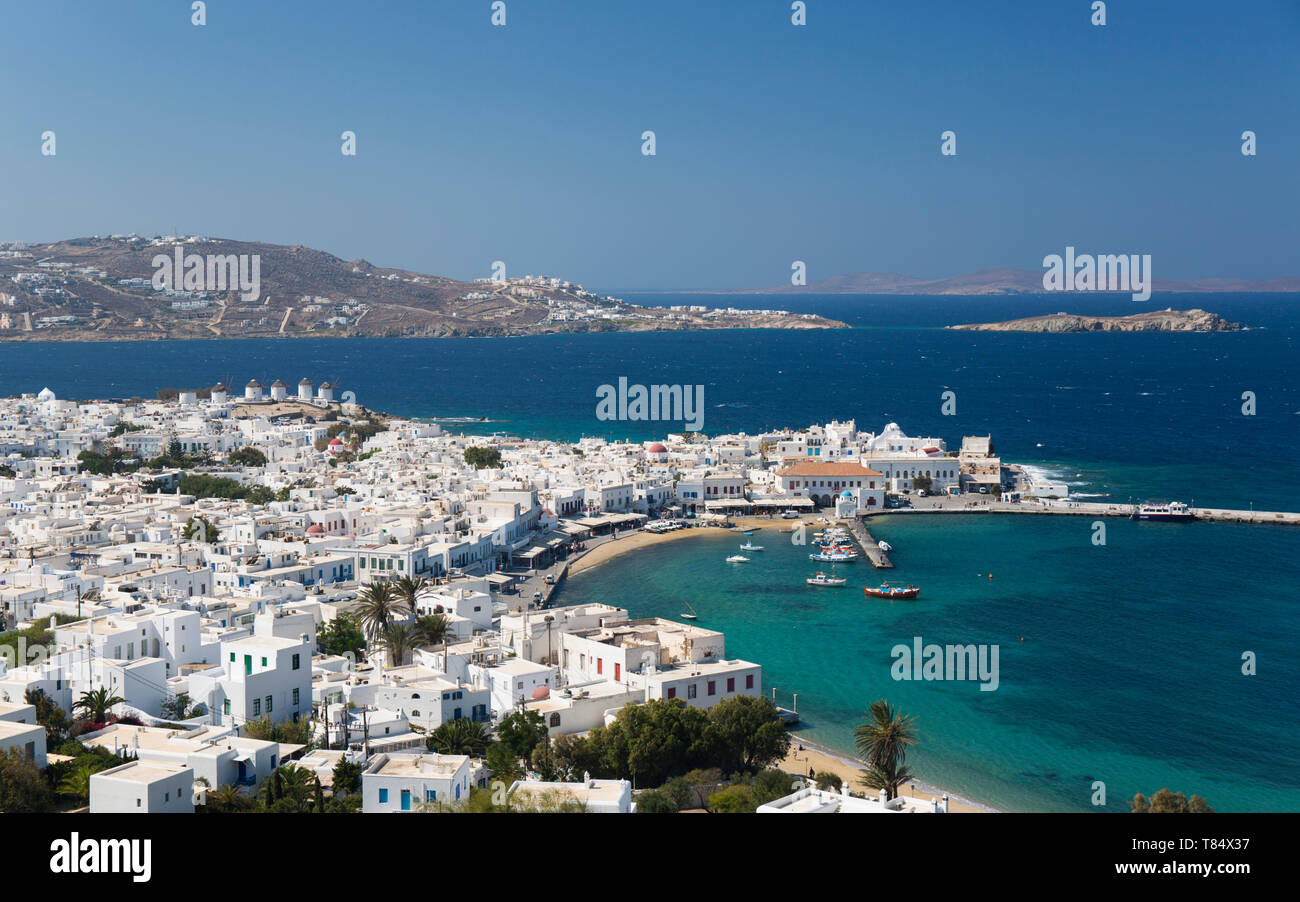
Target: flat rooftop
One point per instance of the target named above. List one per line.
(142, 772)
(423, 765)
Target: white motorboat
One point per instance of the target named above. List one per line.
(884, 546)
(737, 559)
(821, 579)
(750, 546)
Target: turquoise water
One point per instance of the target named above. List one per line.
(1129, 672)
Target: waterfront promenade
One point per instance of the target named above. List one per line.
(982, 504)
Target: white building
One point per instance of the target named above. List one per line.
(259, 676)
(139, 787)
(595, 796)
(403, 781)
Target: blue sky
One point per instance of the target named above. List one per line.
(774, 143)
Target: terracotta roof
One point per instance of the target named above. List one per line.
(827, 468)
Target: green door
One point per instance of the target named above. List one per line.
(248, 665)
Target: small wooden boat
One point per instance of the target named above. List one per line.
(894, 593)
(692, 615)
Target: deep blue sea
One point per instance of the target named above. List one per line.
(1119, 414)
(1130, 672)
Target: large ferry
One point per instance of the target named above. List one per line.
(1163, 510)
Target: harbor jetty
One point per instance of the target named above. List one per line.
(965, 505)
(870, 548)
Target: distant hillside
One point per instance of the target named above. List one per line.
(1001, 280)
(102, 288)
(1196, 320)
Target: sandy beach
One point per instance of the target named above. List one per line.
(640, 539)
(821, 760)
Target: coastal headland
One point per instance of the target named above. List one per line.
(129, 288)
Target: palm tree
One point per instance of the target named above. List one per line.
(430, 629)
(77, 781)
(408, 591)
(398, 642)
(376, 607)
(295, 784)
(459, 737)
(96, 704)
(882, 740)
(227, 798)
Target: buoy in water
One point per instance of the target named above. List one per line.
(990, 576)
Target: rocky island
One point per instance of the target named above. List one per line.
(1195, 320)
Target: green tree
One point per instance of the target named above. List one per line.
(545, 763)
(96, 703)
(430, 629)
(483, 458)
(22, 788)
(882, 741)
(291, 789)
(521, 731)
(76, 782)
(407, 591)
(247, 457)
(340, 636)
(735, 799)
(645, 743)
(503, 762)
(459, 737)
(377, 607)
(397, 641)
(830, 782)
(772, 784)
(655, 801)
(747, 734)
(347, 777)
(227, 799)
(48, 715)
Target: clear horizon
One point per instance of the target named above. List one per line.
(775, 143)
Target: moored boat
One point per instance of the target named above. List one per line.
(1163, 510)
(885, 590)
(821, 579)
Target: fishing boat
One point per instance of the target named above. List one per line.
(1163, 510)
(737, 559)
(750, 546)
(832, 557)
(821, 579)
(691, 616)
(885, 590)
